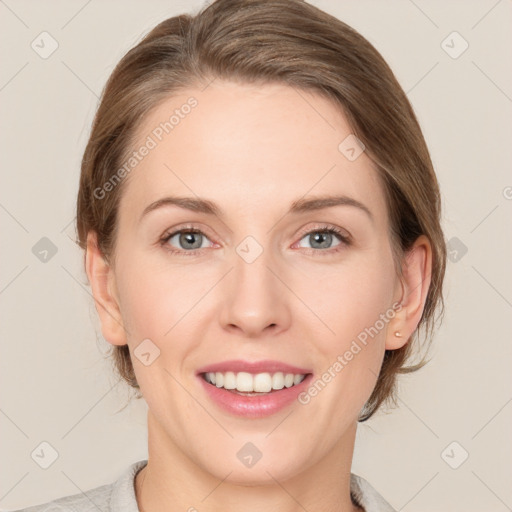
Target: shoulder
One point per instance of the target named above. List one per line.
(115, 497)
(364, 495)
(95, 499)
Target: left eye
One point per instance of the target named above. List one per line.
(188, 239)
(322, 239)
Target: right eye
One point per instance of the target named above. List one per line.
(187, 240)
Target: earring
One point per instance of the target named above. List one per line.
(398, 334)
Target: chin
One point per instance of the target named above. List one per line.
(263, 472)
(253, 477)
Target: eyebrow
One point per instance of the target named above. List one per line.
(298, 206)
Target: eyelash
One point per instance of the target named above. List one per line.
(329, 229)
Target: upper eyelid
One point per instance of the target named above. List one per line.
(326, 227)
(172, 232)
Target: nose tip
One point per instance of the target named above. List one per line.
(255, 302)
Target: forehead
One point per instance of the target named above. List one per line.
(249, 146)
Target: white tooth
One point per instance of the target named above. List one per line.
(247, 382)
(278, 380)
(229, 380)
(288, 380)
(297, 379)
(244, 382)
(262, 382)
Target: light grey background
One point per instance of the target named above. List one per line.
(57, 387)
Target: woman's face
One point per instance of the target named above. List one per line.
(262, 280)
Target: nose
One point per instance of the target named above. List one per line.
(255, 300)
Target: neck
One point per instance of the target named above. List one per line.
(171, 480)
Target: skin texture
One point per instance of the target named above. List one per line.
(253, 151)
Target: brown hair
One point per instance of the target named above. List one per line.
(273, 41)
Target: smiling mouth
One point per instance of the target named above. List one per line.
(248, 384)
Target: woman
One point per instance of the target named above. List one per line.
(261, 226)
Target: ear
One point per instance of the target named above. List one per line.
(101, 279)
(417, 270)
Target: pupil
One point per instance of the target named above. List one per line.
(319, 236)
(188, 238)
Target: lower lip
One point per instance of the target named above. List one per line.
(254, 406)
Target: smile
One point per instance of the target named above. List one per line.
(244, 382)
(253, 390)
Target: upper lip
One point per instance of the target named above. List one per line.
(238, 365)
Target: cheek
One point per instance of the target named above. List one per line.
(355, 303)
(352, 305)
(350, 297)
(158, 302)
(156, 296)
